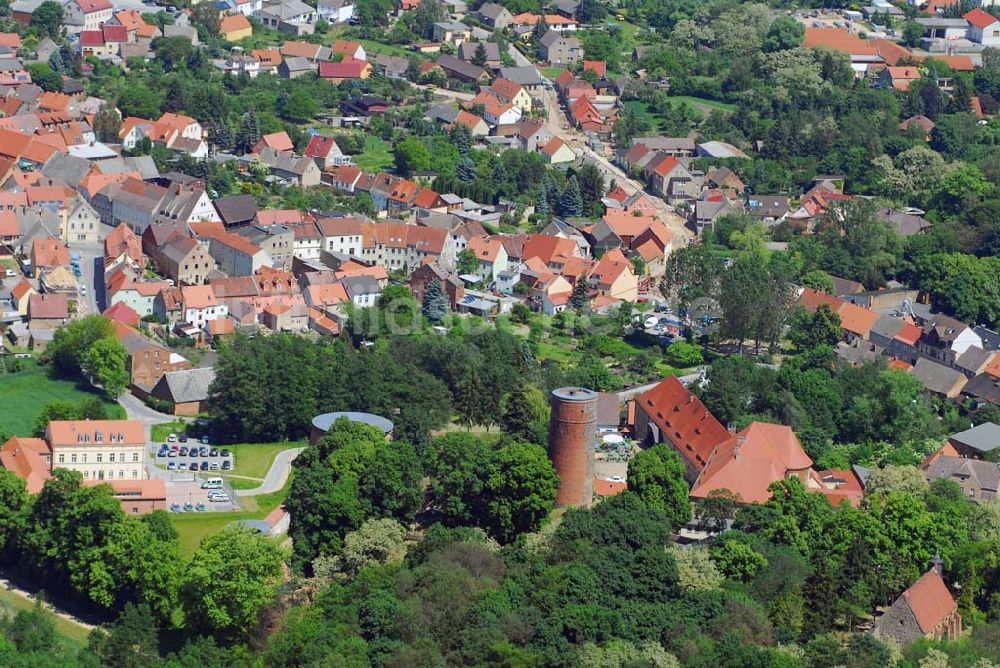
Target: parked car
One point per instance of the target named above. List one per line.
(204, 466)
(200, 507)
(183, 438)
(224, 452)
(171, 438)
(193, 466)
(226, 465)
(214, 466)
(218, 497)
(213, 453)
(175, 507)
(162, 452)
(172, 466)
(204, 439)
(203, 452)
(184, 452)
(188, 507)
(171, 453)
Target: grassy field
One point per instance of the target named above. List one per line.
(72, 635)
(376, 156)
(159, 432)
(703, 105)
(641, 109)
(254, 459)
(551, 72)
(192, 527)
(25, 393)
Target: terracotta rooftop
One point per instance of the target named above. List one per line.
(930, 600)
(683, 420)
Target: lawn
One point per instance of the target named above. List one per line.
(703, 105)
(254, 460)
(641, 110)
(25, 393)
(159, 432)
(72, 635)
(376, 156)
(551, 72)
(192, 527)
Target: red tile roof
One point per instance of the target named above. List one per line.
(348, 68)
(319, 146)
(683, 420)
(89, 6)
(748, 463)
(930, 601)
(123, 313)
(598, 67)
(980, 18)
(114, 33)
(67, 432)
(608, 488)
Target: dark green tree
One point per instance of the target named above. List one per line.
(249, 131)
(784, 33)
(479, 57)
(435, 306)
(656, 475)
(570, 201)
(466, 170)
(48, 18)
(580, 297)
(519, 490)
(132, 641)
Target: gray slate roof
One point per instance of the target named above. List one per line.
(185, 386)
(987, 474)
(525, 75)
(982, 438)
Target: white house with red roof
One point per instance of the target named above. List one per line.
(86, 14)
(984, 28)
(325, 152)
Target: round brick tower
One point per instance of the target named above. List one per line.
(572, 431)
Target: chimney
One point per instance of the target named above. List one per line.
(740, 440)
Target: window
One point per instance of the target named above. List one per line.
(72, 459)
(135, 473)
(62, 459)
(111, 474)
(100, 458)
(111, 458)
(121, 474)
(121, 457)
(83, 458)
(86, 474)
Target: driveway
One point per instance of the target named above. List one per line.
(135, 409)
(277, 476)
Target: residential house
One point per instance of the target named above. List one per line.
(335, 11)
(451, 285)
(140, 296)
(533, 135)
(491, 255)
(276, 141)
(398, 246)
(557, 152)
(525, 75)
(899, 78)
(290, 16)
(47, 311)
(978, 442)
(325, 152)
(363, 291)
(984, 28)
(496, 112)
(82, 223)
(293, 67)
(467, 51)
(939, 379)
(770, 209)
(511, 92)
(979, 480)
(20, 296)
(341, 236)
(349, 49)
(79, 15)
(234, 254)
(349, 68)
(186, 261)
(454, 32)
(276, 241)
(494, 15)
(667, 177)
(925, 610)
(555, 49)
(200, 305)
(46, 254)
(613, 276)
(302, 171)
(945, 338)
(235, 27)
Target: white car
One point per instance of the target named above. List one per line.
(83, 289)
(218, 497)
(172, 438)
(651, 321)
(9, 273)
(616, 478)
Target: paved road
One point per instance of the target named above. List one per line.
(627, 394)
(135, 409)
(277, 476)
(91, 276)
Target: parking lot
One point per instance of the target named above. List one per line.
(188, 496)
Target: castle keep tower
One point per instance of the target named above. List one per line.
(572, 431)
